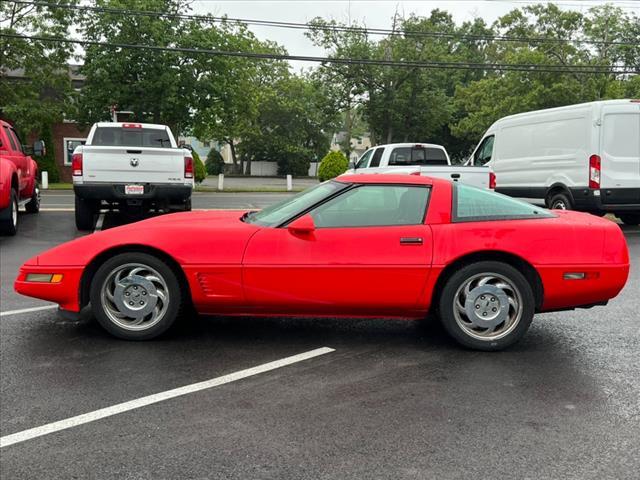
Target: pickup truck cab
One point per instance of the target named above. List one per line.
(420, 158)
(133, 167)
(18, 178)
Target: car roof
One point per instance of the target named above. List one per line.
(378, 178)
(121, 124)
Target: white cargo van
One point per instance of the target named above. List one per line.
(580, 157)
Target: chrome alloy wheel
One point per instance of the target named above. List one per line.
(488, 306)
(559, 205)
(135, 296)
(14, 212)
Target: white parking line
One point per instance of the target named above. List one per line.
(27, 310)
(99, 223)
(157, 397)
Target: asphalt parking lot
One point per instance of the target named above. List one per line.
(384, 399)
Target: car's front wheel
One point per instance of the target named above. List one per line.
(9, 216)
(136, 296)
(487, 305)
(33, 205)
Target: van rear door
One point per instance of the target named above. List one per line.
(620, 153)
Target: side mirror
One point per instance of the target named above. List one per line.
(302, 226)
(39, 149)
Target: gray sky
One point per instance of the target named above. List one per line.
(375, 14)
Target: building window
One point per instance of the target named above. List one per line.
(69, 145)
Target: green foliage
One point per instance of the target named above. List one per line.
(214, 163)
(198, 167)
(47, 163)
(293, 161)
(332, 165)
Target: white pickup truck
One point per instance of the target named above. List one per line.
(133, 167)
(426, 158)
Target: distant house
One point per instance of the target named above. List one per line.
(359, 145)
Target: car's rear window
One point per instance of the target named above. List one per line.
(409, 156)
(131, 137)
(471, 204)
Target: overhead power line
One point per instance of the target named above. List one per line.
(335, 28)
(533, 68)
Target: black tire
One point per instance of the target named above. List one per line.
(560, 201)
(85, 211)
(9, 216)
(187, 205)
(33, 206)
(513, 330)
(630, 218)
(174, 294)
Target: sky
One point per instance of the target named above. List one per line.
(373, 14)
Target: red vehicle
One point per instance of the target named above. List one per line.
(18, 179)
(360, 245)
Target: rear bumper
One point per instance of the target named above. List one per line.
(115, 192)
(607, 199)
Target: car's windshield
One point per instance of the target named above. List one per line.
(282, 211)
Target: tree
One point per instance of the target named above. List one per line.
(214, 163)
(200, 172)
(332, 165)
(44, 92)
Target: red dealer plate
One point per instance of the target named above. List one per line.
(134, 189)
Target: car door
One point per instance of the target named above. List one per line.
(16, 156)
(370, 254)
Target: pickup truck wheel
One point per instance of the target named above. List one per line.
(85, 210)
(136, 296)
(9, 216)
(33, 206)
(187, 205)
(487, 305)
(630, 218)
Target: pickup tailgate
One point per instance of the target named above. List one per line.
(130, 164)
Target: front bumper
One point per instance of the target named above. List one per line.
(115, 192)
(607, 199)
(66, 293)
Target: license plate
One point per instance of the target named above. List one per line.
(134, 189)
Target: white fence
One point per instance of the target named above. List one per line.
(270, 169)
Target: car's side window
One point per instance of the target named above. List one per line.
(364, 159)
(7, 131)
(471, 204)
(484, 152)
(18, 142)
(374, 205)
(377, 155)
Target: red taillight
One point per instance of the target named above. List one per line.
(131, 125)
(595, 168)
(188, 167)
(76, 165)
(492, 180)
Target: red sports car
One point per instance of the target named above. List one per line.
(360, 245)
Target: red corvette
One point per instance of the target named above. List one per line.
(360, 245)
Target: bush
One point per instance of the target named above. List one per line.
(332, 165)
(198, 168)
(214, 164)
(47, 163)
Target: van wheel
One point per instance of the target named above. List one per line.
(85, 211)
(487, 305)
(33, 206)
(560, 201)
(9, 216)
(630, 218)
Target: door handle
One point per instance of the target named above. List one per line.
(135, 152)
(455, 175)
(411, 241)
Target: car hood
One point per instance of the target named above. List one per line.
(208, 237)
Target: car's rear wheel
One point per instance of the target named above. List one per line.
(560, 201)
(136, 296)
(33, 205)
(85, 211)
(9, 216)
(630, 218)
(487, 305)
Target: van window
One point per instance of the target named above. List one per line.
(409, 156)
(131, 137)
(377, 155)
(471, 204)
(622, 135)
(484, 152)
